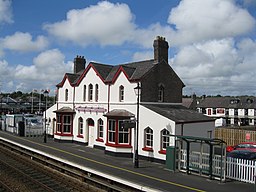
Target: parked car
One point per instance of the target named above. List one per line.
(250, 146)
(242, 154)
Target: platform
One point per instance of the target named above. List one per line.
(149, 176)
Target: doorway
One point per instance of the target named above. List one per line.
(90, 132)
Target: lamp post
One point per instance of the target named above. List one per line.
(45, 95)
(137, 91)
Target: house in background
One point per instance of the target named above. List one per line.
(234, 111)
(93, 102)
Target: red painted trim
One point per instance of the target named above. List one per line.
(100, 140)
(80, 136)
(120, 69)
(118, 145)
(63, 81)
(116, 130)
(163, 151)
(74, 96)
(64, 134)
(147, 149)
(86, 71)
(108, 97)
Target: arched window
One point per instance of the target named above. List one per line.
(90, 93)
(165, 139)
(66, 95)
(96, 92)
(121, 93)
(84, 93)
(100, 129)
(148, 135)
(80, 126)
(160, 93)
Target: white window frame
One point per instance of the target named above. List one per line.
(148, 134)
(80, 125)
(100, 128)
(111, 130)
(165, 139)
(121, 93)
(123, 133)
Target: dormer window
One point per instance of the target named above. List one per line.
(249, 100)
(66, 95)
(160, 93)
(121, 93)
(90, 93)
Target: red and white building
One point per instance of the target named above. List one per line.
(93, 102)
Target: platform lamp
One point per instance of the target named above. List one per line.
(137, 91)
(45, 95)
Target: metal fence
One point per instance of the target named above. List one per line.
(235, 136)
(223, 168)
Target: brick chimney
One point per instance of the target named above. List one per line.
(79, 63)
(160, 49)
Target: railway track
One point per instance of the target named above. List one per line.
(20, 174)
(44, 173)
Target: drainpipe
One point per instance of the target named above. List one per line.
(74, 97)
(108, 96)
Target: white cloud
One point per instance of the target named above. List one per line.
(198, 20)
(23, 42)
(5, 70)
(104, 24)
(140, 56)
(5, 11)
(218, 66)
(47, 70)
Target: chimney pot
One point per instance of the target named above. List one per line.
(160, 49)
(79, 63)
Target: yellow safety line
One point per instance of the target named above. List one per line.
(115, 167)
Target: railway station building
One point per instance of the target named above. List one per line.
(95, 100)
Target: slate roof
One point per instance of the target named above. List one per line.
(64, 110)
(178, 113)
(119, 113)
(102, 69)
(134, 71)
(242, 102)
(72, 77)
(187, 102)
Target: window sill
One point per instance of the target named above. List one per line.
(162, 152)
(118, 145)
(80, 136)
(64, 134)
(100, 140)
(147, 149)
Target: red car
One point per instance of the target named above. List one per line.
(249, 146)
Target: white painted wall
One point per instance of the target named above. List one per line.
(250, 112)
(129, 94)
(147, 118)
(91, 78)
(240, 112)
(231, 112)
(61, 94)
(157, 122)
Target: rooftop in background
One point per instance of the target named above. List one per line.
(245, 102)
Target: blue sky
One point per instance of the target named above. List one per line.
(212, 42)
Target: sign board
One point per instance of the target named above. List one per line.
(126, 124)
(247, 136)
